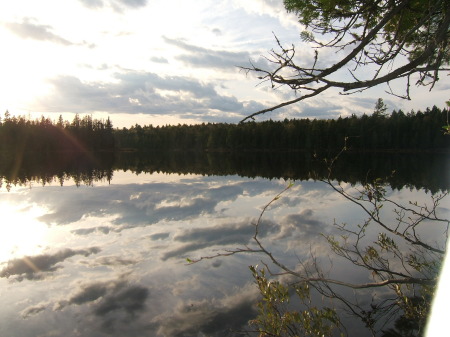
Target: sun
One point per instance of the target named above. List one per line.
(21, 234)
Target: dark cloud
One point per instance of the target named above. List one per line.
(272, 3)
(111, 261)
(159, 59)
(306, 217)
(33, 310)
(305, 224)
(228, 234)
(93, 3)
(131, 300)
(132, 3)
(28, 29)
(152, 213)
(181, 252)
(33, 267)
(115, 302)
(219, 59)
(89, 293)
(217, 31)
(211, 317)
(159, 236)
(117, 5)
(325, 110)
(208, 319)
(86, 231)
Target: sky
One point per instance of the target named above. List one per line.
(162, 62)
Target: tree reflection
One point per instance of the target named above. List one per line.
(420, 171)
(45, 169)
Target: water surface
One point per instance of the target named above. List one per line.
(107, 256)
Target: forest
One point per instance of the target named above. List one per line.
(83, 134)
(399, 131)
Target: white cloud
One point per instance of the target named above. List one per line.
(199, 57)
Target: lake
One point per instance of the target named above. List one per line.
(98, 246)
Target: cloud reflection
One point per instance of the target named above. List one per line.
(210, 317)
(305, 223)
(134, 205)
(145, 230)
(227, 234)
(115, 302)
(35, 267)
(34, 310)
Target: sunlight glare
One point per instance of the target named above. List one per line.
(20, 232)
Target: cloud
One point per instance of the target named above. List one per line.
(28, 29)
(34, 310)
(110, 292)
(360, 105)
(293, 228)
(140, 92)
(304, 224)
(120, 307)
(152, 203)
(217, 31)
(161, 297)
(86, 231)
(33, 267)
(321, 109)
(92, 3)
(82, 207)
(159, 236)
(227, 234)
(117, 5)
(115, 302)
(157, 59)
(200, 57)
(111, 261)
(210, 317)
(134, 205)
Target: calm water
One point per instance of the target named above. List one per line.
(107, 256)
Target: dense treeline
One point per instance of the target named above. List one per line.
(399, 131)
(20, 134)
(414, 131)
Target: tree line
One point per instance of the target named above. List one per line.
(379, 131)
(399, 131)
